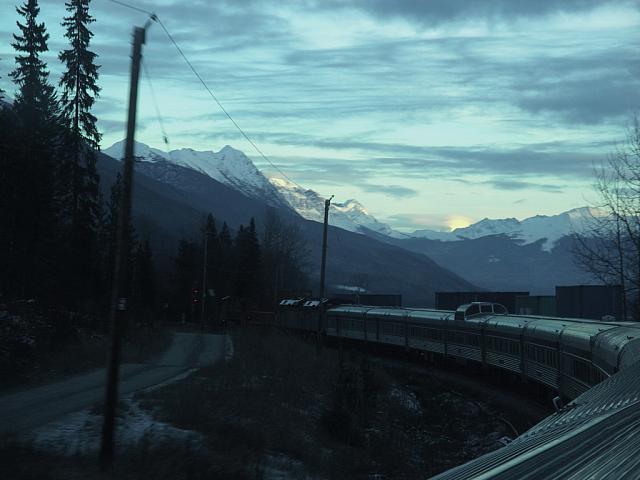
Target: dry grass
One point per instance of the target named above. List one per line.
(348, 419)
(281, 407)
(35, 349)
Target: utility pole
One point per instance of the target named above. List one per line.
(327, 204)
(120, 270)
(204, 279)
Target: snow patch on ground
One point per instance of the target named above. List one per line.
(228, 348)
(80, 432)
(277, 466)
(407, 399)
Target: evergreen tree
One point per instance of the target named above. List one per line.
(34, 215)
(248, 263)
(186, 278)
(79, 82)
(210, 232)
(225, 271)
(110, 236)
(143, 293)
(35, 101)
(1, 98)
(78, 174)
(8, 172)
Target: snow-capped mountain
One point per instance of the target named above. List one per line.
(350, 215)
(228, 166)
(529, 230)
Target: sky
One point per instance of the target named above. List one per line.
(433, 114)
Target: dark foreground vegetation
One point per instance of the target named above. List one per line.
(42, 345)
(281, 409)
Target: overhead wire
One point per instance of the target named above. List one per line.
(155, 18)
(132, 7)
(165, 137)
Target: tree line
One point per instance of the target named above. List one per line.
(58, 233)
(244, 271)
(53, 226)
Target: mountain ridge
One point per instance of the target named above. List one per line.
(228, 166)
(550, 228)
(349, 215)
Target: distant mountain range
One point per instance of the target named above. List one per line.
(349, 215)
(171, 199)
(550, 228)
(228, 166)
(533, 254)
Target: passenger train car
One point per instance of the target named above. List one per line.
(566, 355)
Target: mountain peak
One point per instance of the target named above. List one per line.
(349, 215)
(549, 228)
(229, 166)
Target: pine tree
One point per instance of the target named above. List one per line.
(225, 275)
(143, 292)
(213, 252)
(1, 98)
(248, 262)
(78, 172)
(186, 278)
(35, 102)
(110, 236)
(33, 222)
(79, 82)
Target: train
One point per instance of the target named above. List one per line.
(566, 355)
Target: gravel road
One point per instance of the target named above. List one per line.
(22, 411)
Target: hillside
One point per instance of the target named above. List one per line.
(171, 200)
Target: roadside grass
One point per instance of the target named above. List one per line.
(36, 349)
(158, 460)
(281, 408)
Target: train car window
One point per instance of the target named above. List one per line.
(497, 308)
(581, 370)
(473, 310)
(435, 334)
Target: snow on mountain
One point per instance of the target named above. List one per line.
(551, 228)
(228, 166)
(349, 215)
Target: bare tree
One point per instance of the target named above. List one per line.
(608, 244)
(285, 255)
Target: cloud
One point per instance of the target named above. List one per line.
(396, 191)
(507, 184)
(430, 221)
(434, 12)
(564, 158)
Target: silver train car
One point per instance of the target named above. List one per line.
(566, 355)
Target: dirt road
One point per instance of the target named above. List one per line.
(35, 407)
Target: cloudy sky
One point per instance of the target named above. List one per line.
(432, 113)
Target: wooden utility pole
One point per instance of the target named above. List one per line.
(121, 265)
(327, 204)
(204, 279)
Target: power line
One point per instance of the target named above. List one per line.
(137, 9)
(154, 17)
(224, 110)
(165, 138)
